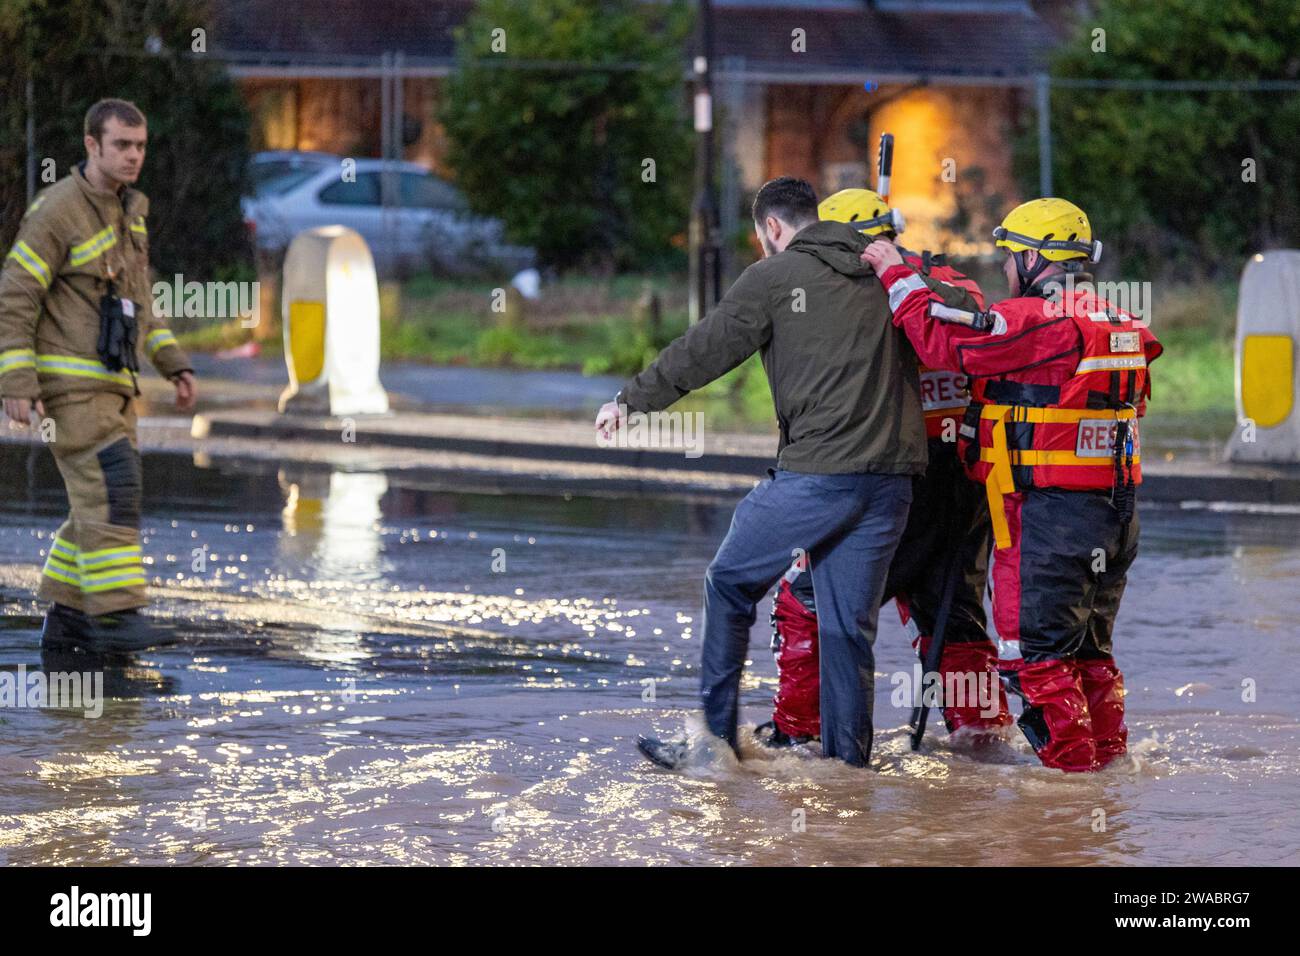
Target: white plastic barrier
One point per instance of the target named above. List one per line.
(1268, 378)
(331, 325)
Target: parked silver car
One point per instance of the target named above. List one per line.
(277, 169)
(412, 219)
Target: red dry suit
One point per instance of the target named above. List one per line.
(1058, 381)
(948, 524)
(944, 395)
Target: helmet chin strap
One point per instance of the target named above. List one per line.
(1028, 275)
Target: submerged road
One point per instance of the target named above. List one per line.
(378, 671)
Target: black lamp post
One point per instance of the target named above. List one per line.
(705, 254)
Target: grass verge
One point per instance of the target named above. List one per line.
(613, 327)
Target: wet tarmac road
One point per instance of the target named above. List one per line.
(378, 673)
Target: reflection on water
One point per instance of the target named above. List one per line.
(375, 672)
(333, 520)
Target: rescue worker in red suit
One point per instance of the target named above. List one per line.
(948, 526)
(1058, 381)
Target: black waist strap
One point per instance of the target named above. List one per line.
(1002, 392)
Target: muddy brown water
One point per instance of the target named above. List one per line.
(379, 673)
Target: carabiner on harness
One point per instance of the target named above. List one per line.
(1123, 494)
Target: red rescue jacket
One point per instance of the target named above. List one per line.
(1057, 385)
(944, 395)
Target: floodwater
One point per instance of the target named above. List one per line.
(379, 673)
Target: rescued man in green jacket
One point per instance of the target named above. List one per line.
(847, 399)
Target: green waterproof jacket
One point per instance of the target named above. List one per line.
(844, 380)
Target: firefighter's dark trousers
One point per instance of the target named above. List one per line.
(95, 563)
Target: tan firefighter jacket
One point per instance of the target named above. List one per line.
(72, 238)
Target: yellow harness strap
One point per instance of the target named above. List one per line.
(1000, 483)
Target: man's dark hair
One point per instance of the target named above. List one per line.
(791, 200)
(124, 111)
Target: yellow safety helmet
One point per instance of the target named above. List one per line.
(862, 209)
(1056, 228)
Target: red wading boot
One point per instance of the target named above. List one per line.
(970, 669)
(1055, 717)
(797, 705)
(1103, 685)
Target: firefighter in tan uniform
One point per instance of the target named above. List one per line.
(75, 318)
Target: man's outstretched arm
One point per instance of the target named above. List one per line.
(734, 329)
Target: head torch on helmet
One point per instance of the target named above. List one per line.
(891, 220)
(862, 209)
(1090, 250)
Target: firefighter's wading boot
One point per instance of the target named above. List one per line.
(121, 632)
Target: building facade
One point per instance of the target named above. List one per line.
(802, 87)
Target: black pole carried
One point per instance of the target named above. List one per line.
(934, 654)
(885, 165)
(930, 661)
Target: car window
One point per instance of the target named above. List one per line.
(363, 192)
(427, 191)
(268, 169)
(281, 184)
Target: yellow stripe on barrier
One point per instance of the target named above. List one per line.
(307, 339)
(1267, 378)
